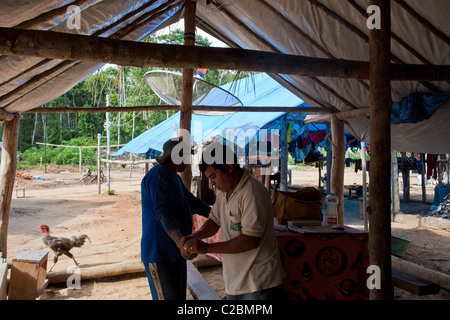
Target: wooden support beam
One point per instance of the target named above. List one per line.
(57, 45)
(338, 165)
(344, 115)
(380, 156)
(283, 155)
(187, 87)
(7, 175)
(305, 110)
(5, 115)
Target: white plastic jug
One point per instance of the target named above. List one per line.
(331, 218)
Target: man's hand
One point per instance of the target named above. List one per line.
(179, 240)
(195, 246)
(185, 253)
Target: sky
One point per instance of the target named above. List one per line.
(180, 25)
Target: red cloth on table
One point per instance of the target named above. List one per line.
(325, 266)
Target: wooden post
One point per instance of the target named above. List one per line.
(424, 178)
(364, 184)
(188, 74)
(395, 186)
(7, 175)
(405, 179)
(283, 155)
(380, 157)
(329, 157)
(338, 165)
(108, 148)
(99, 154)
(79, 154)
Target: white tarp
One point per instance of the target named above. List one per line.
(342, 42)
(94, 15)
(270, 25)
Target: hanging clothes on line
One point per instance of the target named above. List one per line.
(316, 137)
(431, 166)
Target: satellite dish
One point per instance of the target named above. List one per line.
(168, 86)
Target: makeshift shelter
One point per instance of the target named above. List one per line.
(326, 52)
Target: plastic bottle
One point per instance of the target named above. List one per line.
(331, 215)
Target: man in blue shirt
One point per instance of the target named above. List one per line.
(167, 209)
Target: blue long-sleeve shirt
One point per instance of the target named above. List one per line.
(166, 204)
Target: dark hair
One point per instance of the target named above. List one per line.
(218, 156)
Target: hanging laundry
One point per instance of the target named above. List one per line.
(201, 72)
(316, 137)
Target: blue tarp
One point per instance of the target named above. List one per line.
(417, 107)
(257, 90)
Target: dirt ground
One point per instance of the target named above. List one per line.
(59, 199)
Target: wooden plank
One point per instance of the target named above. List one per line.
(412, 283)
(198, 286)
(3, 280)
(41, 289)
(344, 115)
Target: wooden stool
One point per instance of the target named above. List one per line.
(28, 275)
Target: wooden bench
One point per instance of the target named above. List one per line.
(198, 286)
(412, 283)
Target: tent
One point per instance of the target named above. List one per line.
(325, 52)
(256, 90)
(326, 29)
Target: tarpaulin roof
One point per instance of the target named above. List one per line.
(324, 29)
(257, 90)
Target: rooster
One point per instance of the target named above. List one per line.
(61, 245)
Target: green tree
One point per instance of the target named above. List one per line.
(125, 86)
